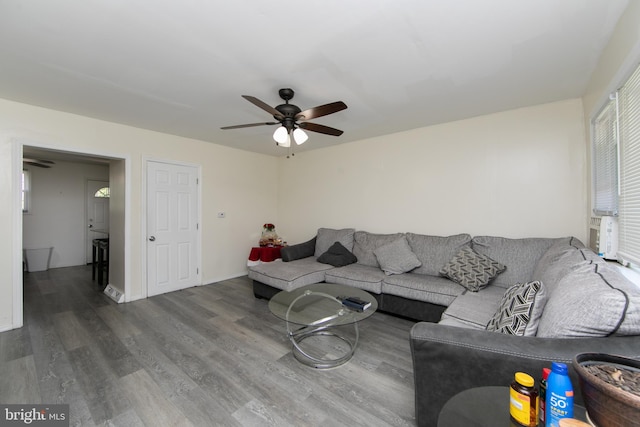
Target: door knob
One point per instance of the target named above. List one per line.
(152, 239)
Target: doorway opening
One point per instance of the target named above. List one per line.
(44, 224)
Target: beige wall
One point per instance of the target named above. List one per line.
(518, 173)
(241, 184)
(621, 53)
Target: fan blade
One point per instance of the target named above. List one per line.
(249, 125)
(40, 165)
(321, 110)
(49, 162)
(314, 127)
(266, 107)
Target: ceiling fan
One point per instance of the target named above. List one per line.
(293, 120)
(38, 162)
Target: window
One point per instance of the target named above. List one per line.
(103, 192)
(629, 217)
(605, 160)
(26, 191)
(616, 165)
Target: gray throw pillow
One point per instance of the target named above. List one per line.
(396, 257)
(472, 270)
(520, 310)
(338, 256)
(328, 236)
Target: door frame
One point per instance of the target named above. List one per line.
(143, 243)
(17, 149)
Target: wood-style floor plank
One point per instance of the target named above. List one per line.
(18, 381)
(207, 356)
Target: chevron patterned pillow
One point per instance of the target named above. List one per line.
(472, 270)
(520, 310)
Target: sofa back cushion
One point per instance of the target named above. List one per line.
(520, 256)
(434, 252)
(561, 258)
(326, 237)
(365, 243)
(593, 300)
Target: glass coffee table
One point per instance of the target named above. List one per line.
(484, 407)
(315, 311)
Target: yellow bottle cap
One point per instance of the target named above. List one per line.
(524, 379)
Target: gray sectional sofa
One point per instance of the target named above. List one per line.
(420, 294)
(505, 305)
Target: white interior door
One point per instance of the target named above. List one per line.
(97, 215)
(172, 227)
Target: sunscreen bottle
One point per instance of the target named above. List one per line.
(559, 397)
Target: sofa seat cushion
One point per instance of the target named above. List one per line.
(364, 243)
(434, 252)
(594, 300)
(473, 309)
(421, 287)
(357, 275)
(520, 256)
(451, 321)
(290, 275)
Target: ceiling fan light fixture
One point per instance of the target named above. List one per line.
(286, 143)
(281, 135)
(300, 136)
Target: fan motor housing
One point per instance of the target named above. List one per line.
(288, 110)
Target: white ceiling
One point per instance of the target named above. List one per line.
(180, 67)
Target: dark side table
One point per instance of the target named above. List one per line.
(484, 407)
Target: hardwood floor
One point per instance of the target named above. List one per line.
(207, 356)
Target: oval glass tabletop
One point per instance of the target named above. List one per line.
(320, 303)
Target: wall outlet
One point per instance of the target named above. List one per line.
(221, 214)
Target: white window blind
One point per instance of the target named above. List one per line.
(605, 160)
(629, 125)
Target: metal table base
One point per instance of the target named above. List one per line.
(321, 328)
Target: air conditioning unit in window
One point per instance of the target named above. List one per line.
(603, 236)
